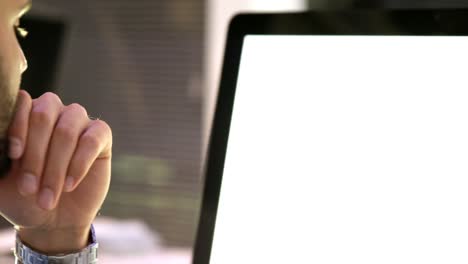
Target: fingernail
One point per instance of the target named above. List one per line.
(28, 184)
(46, 199)
(69, 182)
(16, 148)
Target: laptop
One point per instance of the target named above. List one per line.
(340, 137)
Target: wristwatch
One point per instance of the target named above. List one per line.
(88, 255)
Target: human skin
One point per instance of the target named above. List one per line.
(60, 158)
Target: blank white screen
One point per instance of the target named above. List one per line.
(347, 149)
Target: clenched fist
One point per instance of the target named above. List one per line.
(60, 175)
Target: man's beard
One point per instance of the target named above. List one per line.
(7, 107)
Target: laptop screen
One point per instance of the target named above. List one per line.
(347, 149)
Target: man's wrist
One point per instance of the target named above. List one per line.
(53, 242)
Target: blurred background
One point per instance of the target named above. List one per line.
(151, 70)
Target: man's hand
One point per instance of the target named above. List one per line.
(60, 174)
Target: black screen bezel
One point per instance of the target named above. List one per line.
(441, 22)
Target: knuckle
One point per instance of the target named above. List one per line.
(26, 96)
(50, 97)
(41, 117)
(90, 140)
(65, 131)
(104, 126)
(77, 108)
(49, 101)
